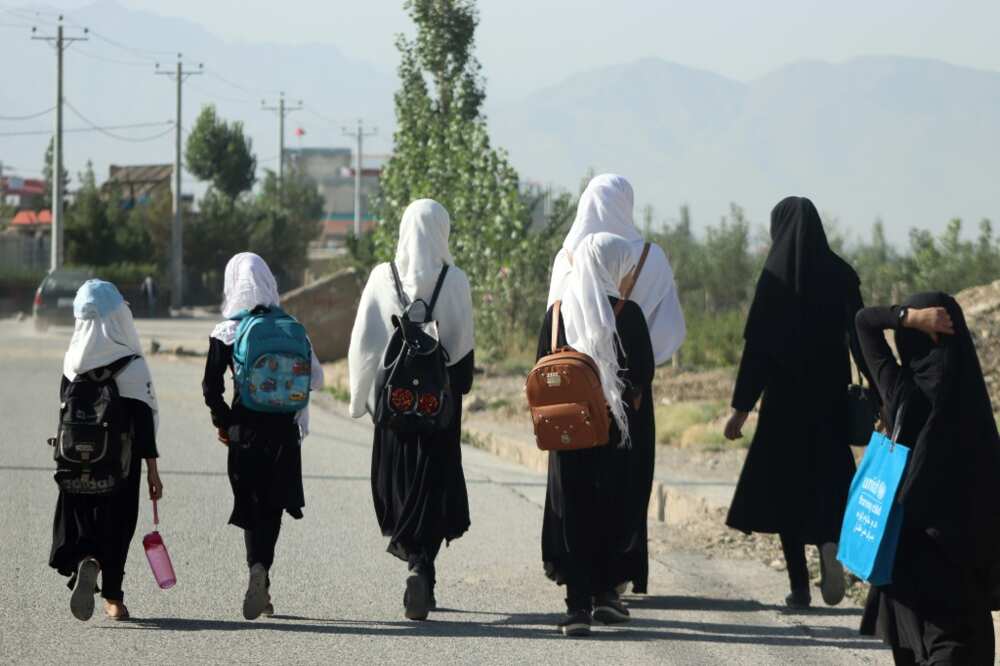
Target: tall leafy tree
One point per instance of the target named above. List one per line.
(443, 151)
(47, 174)
(220, 153)
(287, 219)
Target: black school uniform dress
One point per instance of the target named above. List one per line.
(799, 336)
(103, 527)
(264, 460)
(937, 608)
(418, 484)
(593, 539)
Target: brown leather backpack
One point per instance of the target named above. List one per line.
(567, 403)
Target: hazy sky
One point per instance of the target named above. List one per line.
(524, 44)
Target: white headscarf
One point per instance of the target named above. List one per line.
(600, 263)
(104, 333)
(248, 283)
(606, 205)
(420, 255)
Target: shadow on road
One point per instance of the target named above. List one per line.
(733, 605)
(542, 626)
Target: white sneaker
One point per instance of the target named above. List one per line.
(81, 603)
(832, 584)
(256, 598)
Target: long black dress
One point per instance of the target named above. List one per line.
(264, 460)
(798, 338)
(937, 609)
(103, 527)
(418, 485)
(592, 538)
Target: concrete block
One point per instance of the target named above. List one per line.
(327, 308)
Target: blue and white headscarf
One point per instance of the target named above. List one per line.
(105, 332)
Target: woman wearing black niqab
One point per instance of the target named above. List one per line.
(798, 333)
(937, 608)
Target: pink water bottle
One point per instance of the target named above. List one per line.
(159, 558)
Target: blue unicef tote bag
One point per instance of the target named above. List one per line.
(873, 519)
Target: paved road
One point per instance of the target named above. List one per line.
(338, 594)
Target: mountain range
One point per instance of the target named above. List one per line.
(913, 142)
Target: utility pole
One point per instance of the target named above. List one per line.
(359, 134)
(282, 109)
(61, 42)
(177, 227)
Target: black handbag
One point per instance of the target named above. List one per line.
(862, 412)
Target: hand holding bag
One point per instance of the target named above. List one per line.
(873, 518)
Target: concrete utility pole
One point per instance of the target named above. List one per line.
(61, 43)
(283, 110)
(359, 134)
(177, 227)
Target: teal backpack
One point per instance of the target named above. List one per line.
(272, 361)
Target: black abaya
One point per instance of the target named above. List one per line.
(799, 335)
(264, 453)
(418, 485)
(937, 608)
(594, 537)
(102, 527)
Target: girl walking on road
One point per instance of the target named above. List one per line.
(937, 609)
(606, 205)
(92, 530)
(591, 539)
(418, 484)
(264, 448)
(799, 467)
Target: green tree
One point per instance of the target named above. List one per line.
(47, 174)
(218, 152)
(288, 217)
(442, 151)
(91, 225)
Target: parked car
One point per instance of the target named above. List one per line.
(54, 298)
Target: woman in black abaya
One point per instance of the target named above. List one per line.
(937, 608)
(798, 334)
(418, 485)
(592, 538)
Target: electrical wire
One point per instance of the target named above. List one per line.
(129, 63)
(104, 130)
(30, 115)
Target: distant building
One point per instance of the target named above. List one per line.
(140, 184)
(21, 192)
(332, 170)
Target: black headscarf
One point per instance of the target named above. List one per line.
(800, 294)
(952, 485)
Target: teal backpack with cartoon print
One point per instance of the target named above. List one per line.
(272, 361)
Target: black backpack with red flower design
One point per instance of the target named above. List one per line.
(414, 388)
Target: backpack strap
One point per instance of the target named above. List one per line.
(554, 345)
(437, 291)
(110, 371)
(631, 280)
(404, 300)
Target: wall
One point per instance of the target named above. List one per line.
(327, 308)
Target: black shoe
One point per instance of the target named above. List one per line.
(609, 609)
(799, 599)
(576, 623)
(433, 601)
(417, 598)
(81, 602)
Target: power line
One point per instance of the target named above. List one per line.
(77, 130)
(129, 63)
(30, 115)
(104, 130)
(282, 109)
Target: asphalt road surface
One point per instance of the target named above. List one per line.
(337, 593)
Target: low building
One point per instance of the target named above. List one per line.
(332, 170)
(141, 184)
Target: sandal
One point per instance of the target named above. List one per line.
(116, 610)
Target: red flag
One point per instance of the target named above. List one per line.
(300, 132)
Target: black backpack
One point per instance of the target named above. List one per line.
(414, 387)
(93, 450)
